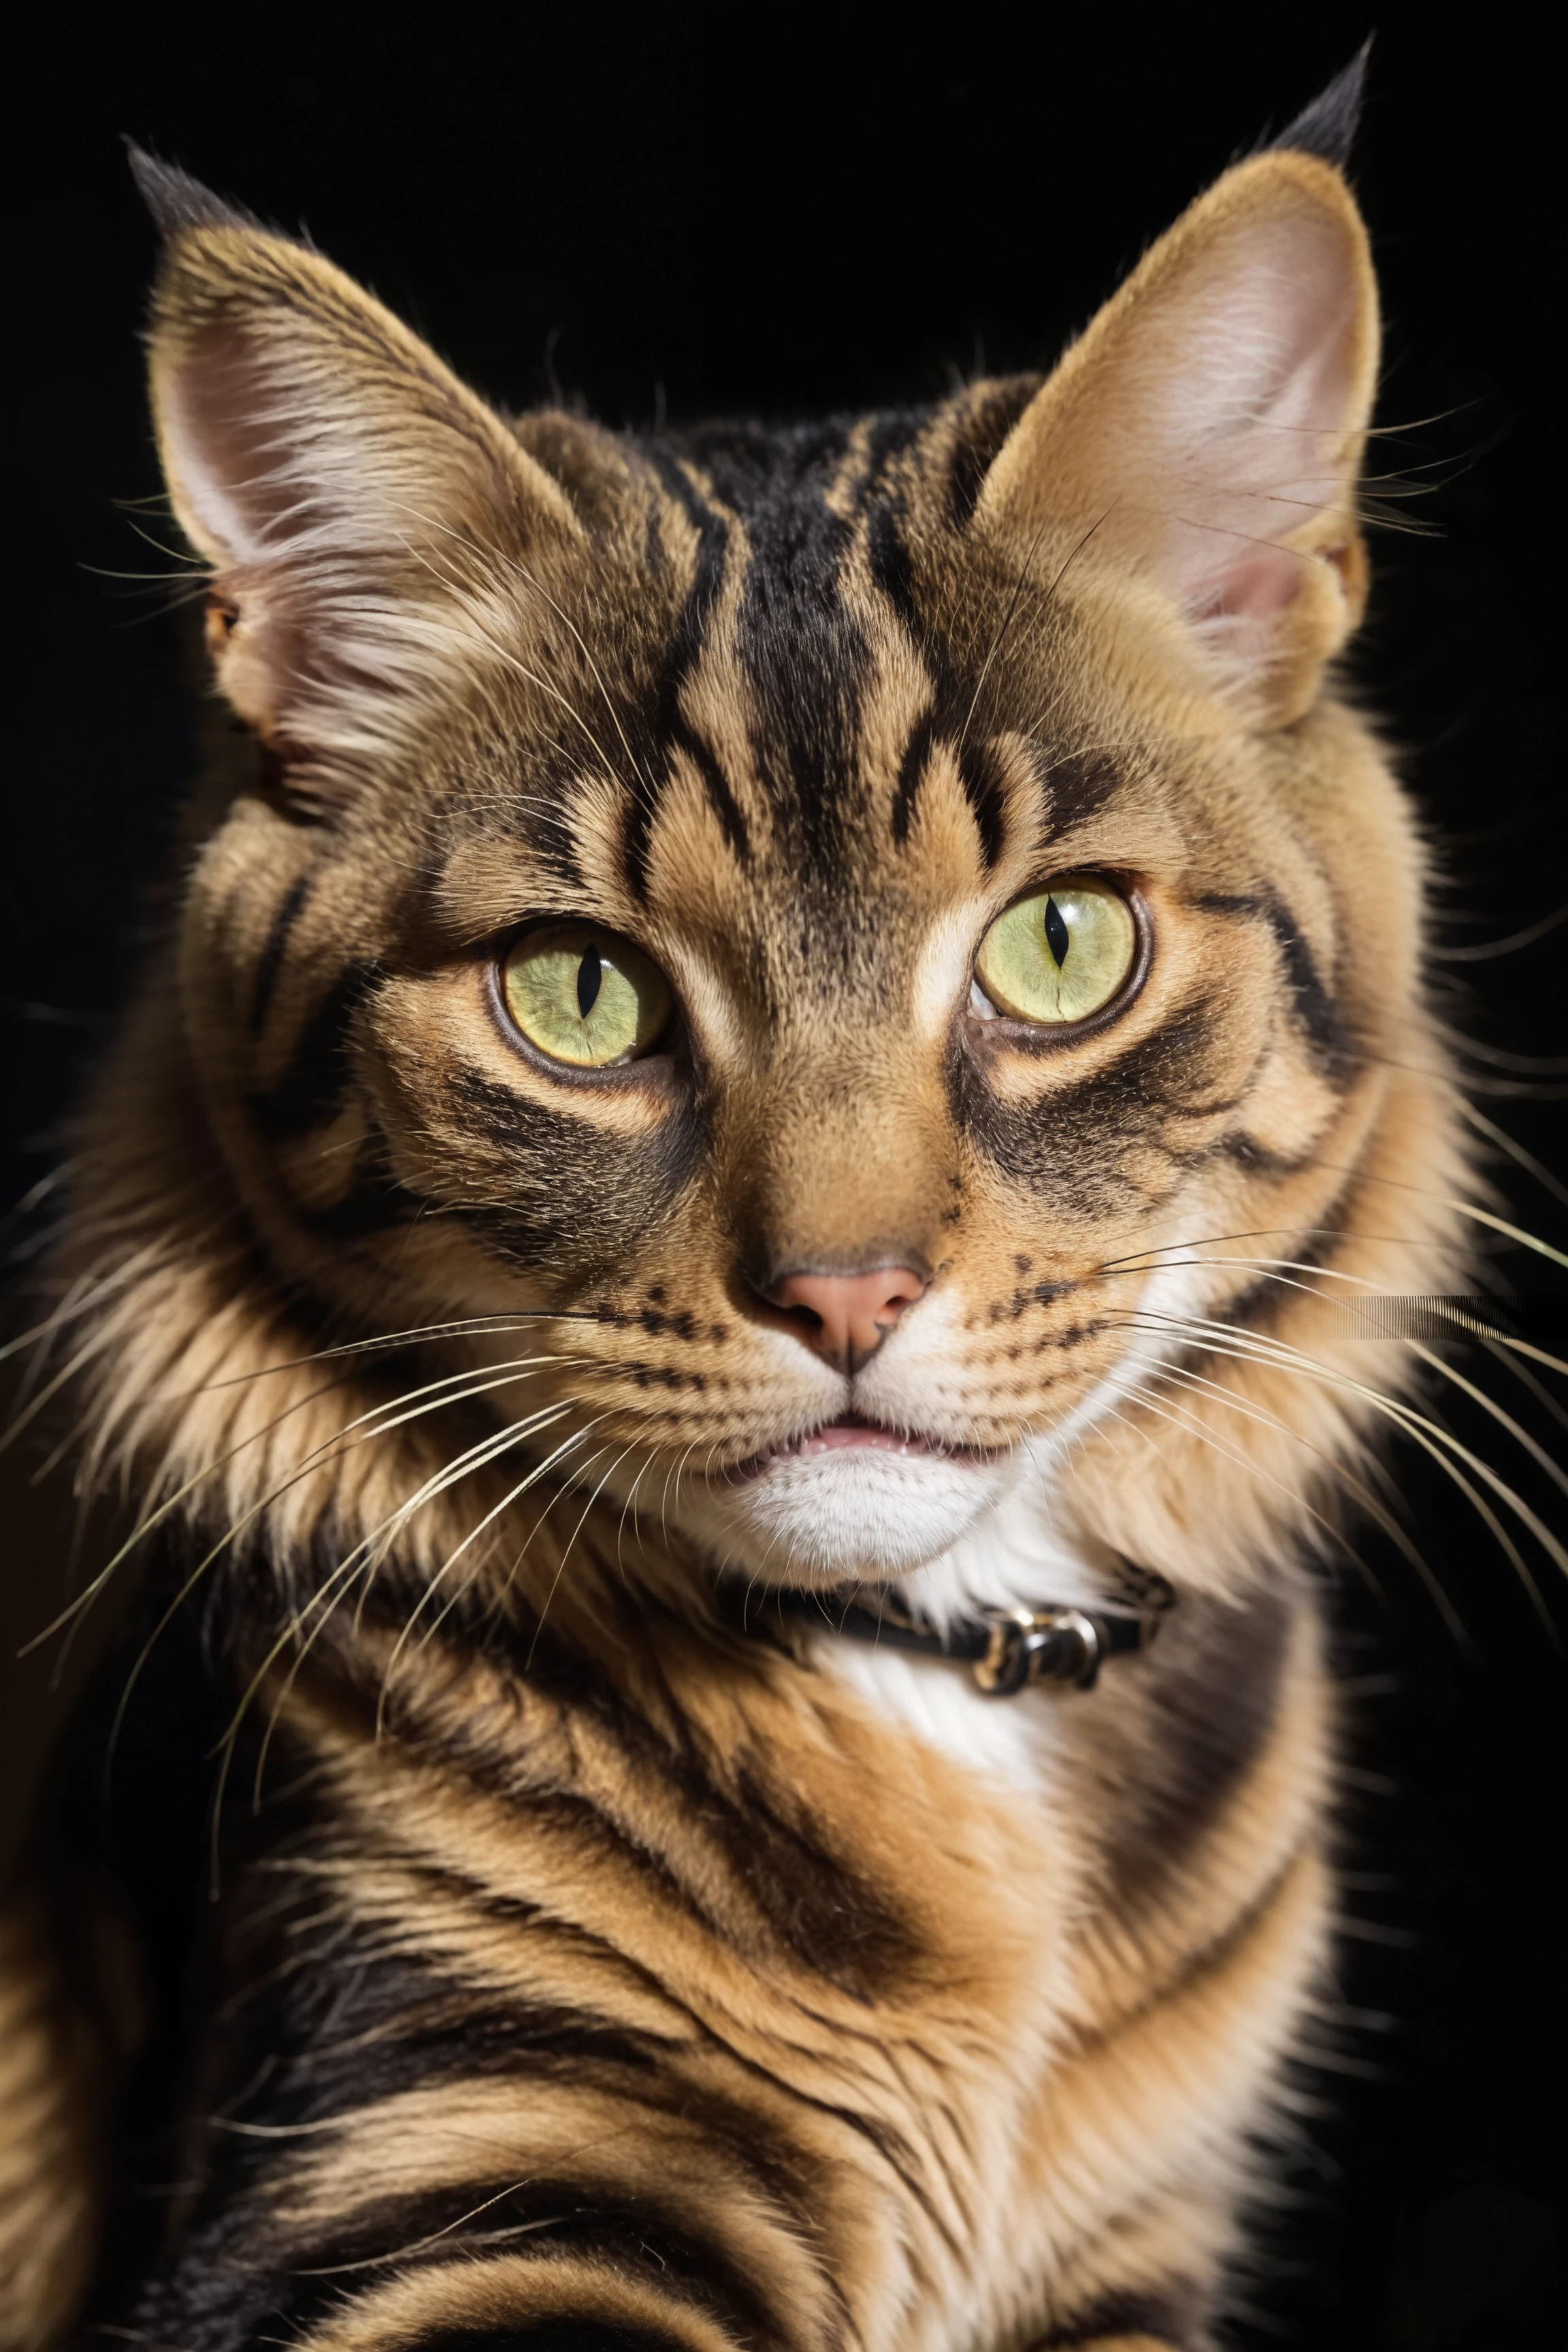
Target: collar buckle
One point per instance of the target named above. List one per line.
(1036, 1645)
(1005, 1651)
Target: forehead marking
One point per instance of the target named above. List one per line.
(800, 646)
(911, 769)
(980, 777)
(673, 730)
(979, 773)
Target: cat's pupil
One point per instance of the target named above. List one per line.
(589, 973)
(1057, 937)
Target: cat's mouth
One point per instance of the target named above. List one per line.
(851, 1497)
(852, 1432)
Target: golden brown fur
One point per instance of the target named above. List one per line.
(591, 1959)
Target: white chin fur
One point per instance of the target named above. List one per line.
(859, 1512)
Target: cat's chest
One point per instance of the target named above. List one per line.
(1015, 1560)
(1015, 1744)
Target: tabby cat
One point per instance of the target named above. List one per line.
(727, 1198)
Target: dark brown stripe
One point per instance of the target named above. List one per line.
(647, 787)
(891, 570)
(1091, 1143)
(373, 1202)
(890, 435)
(801, 645)
(1078, 786)
(1210, 1708)
(716, 784)
(558, 1179)
(912, 769)
(312, 1087)
(994, 413)
(271, 958)
(887, 513)
(831, 1916)
(1316, 1007)
(549, 2336)
(243, 2282)
(980, 772)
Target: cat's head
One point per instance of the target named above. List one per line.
(876, 927)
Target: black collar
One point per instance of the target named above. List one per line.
(1006, 1650)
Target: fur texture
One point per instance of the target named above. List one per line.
(592, 1969)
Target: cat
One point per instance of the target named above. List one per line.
(714, 1250)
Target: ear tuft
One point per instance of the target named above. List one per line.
(1326, 127)
(362, 513)
(177, 201)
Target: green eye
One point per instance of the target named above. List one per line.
(1058, 955)
(585, 997)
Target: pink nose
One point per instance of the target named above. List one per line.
(847, 1317)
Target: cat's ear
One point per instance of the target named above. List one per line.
(363, 513)
(1208, 428)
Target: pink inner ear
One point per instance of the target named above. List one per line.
(1257, 587)
(280, 482)
(1257, 414)
(223, 447)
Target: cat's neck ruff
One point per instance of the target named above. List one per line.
(1016, 1554)
(1014, 1558)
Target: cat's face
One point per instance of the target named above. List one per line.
(866, 927)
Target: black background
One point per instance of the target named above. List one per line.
(776, 210)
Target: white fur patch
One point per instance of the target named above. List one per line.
(959, 1535)
(859, 1512)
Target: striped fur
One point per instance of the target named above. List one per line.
(592, 1969)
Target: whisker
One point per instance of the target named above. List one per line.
(1543, 1395)
(1149, 1399)
(1516, 1152)
(23, 1417)
(502, 1377)
(576, 1438)
(1133, 1260)
(1382, 1517)
(1543, 1065)
(87, 1293)
(524, 574)
(1488, 949)
(629, 1504)
(471, 1326)
(1536, 1450)
(366, 1557)
(566, 1551)
(231, 1535)
(1225, 1339)
(1468, 1208)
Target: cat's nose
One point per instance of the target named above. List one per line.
(847, 1317)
